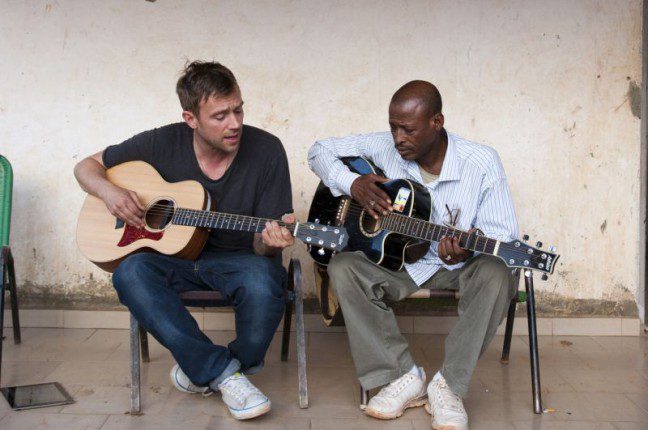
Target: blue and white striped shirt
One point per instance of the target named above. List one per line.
(472, 182)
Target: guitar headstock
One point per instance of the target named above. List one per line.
(329, 237)
(517, 253)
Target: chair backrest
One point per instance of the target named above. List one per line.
(6, 184)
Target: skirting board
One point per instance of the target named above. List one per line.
(314, 323)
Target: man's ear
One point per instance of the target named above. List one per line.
(190, 119)
(437, 121)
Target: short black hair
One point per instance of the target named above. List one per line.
(425, 92)
(202, 79)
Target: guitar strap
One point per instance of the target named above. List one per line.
(331, 312)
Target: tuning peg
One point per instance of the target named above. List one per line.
(525, 237)
(539, 244)
(544, 277)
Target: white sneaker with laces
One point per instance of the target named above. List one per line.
(446, 408)
(184, 384)
(408, 391)
(243, 399)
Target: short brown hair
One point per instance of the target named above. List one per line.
(202, 79)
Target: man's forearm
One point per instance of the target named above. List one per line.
(91, 176)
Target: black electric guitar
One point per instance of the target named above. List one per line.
(404, 235)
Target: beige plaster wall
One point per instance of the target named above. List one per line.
(552, 85)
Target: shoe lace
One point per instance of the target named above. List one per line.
(395, 387)
(447, 399)
(240, 388)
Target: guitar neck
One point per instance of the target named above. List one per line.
(431, 232)
(224, 221)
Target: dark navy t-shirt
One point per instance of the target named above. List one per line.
(257, 183)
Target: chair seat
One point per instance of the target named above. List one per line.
(426, 293)
(203, 299)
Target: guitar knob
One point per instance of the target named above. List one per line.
(525, 237)
(544, 277)
(321, 251)
(539, 244)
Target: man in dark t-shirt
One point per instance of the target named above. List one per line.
(245, 171)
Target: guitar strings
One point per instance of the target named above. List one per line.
(355, 209)
(164, 210)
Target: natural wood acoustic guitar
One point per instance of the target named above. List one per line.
(178, 218)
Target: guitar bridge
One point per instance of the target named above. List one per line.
(343, 210)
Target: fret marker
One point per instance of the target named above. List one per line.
(497, 245)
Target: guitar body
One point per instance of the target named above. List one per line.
(106, 241)
(387, 249)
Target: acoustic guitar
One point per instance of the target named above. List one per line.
(404, 235)
(178, 218)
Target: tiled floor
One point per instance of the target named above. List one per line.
(588, 382)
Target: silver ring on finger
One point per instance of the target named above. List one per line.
(448, 258)
(372, 203)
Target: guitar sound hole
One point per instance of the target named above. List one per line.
(369, 226)
(159, 214)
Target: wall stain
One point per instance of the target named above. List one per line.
(570, 130)
(634, 98)
(603, 227)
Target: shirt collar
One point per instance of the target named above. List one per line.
(451, 169)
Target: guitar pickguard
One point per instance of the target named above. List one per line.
(133, 234)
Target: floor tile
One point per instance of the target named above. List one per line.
(27, 372)
(563, 425)
(629, 426)
(150, 421)
(362, 423)
(115, 400)
(265, 422)
(38, 421)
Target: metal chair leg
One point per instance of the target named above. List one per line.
(136, 408)
(143, 339)
(14, 299)
(290, 300)
(295, 271)
(508, 333)
(364, 398)
(533, 343)
(3, 282)
(8, 278)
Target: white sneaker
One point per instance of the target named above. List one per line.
(408, 391)
(243, 399)
(184, 384)
(446, 407)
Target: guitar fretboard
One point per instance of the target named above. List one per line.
(428, 231)
(224, 221)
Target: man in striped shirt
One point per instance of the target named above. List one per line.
(468, 187)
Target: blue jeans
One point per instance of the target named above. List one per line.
(149, 284)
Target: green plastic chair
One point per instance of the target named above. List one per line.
(7, 272)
